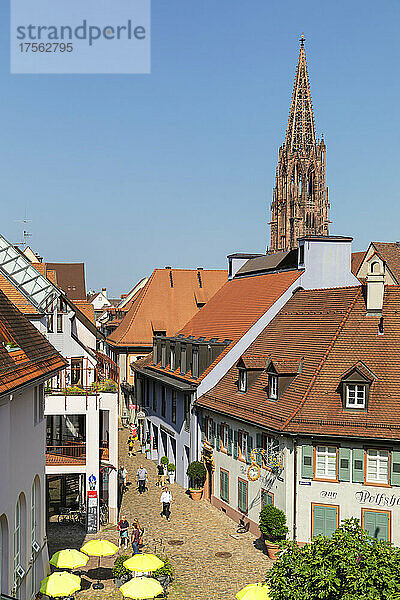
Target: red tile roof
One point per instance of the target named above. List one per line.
(86, 308)
(16, 297)
(356, 260)
(330, 331)
(70, 278)
(233, 310)
(390, 253)
(33, 356)
(165, 303)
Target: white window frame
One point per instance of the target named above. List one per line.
(325, 453)
(243, 443)
(381, 458)
(356, 395)
(172, 359)
(273, 387)
(242, 384)
(209, 429)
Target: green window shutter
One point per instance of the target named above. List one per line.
(212, 440)
(324, 520)
(218, 445)
(242, 495)
(203, 428)
(249, 448)
(344, 464)
(229, 448)
(307, 462)
(266, 498)
(224, 492)
(259, 445)
(358, 465)
(235, 444)
(395, 474)
(376, 524)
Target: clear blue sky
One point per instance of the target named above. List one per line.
(132, 172)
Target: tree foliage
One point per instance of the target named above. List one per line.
(350, 565)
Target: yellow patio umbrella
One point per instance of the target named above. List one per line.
(69, 559)
(58, 585)
(254, 591)
(143, 562)
(141, 588)
(99, 548)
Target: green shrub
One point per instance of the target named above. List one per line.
(196, 472)
(170, 467)
(350, 565)
(164, 460)
(118, 568)
(273, 523)
(166, 569)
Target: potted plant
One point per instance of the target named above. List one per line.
(164, 461)
(164, 574)
(120, 573)
(171, 472)
(196, 472)
(273, 527)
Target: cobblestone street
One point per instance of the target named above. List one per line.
(204, 531)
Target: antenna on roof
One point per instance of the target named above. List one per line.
(25, 232)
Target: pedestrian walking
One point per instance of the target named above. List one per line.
(166, 499)
(161, 475)
(122, 478)
(131, 446)
(141, 529)
(123, 528)
(141, 477)
(135, 538)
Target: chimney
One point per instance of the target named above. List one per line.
(104, 292)
(375, 288)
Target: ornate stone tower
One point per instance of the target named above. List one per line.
(300, 201)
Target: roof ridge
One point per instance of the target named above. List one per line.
(323, 359)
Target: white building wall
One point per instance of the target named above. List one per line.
(90, 406)
(22, 444)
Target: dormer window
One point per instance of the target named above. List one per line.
(356, 384)
(172, 358)
(183, 359)
(242, 383)
(273, 387)
(356, 395)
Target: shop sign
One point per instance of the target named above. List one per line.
(328, 494)
(378, 499)
(304, 482)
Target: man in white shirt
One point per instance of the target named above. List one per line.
(166, 499)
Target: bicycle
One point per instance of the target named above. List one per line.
(65, 516)
(242, 526)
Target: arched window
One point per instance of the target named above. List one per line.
(35, 533)
(374, 267)
(20, 546)
(3, 554)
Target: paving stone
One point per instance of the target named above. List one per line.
(204, 531)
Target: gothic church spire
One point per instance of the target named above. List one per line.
(300, 201)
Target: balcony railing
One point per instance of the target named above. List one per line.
(69, 454)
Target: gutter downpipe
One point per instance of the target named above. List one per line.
(294, 488)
